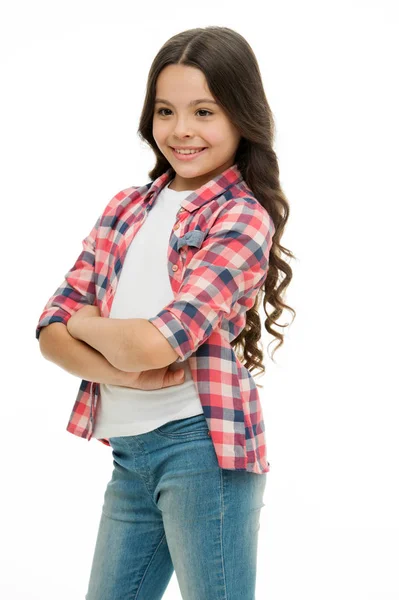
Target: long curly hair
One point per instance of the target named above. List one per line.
(233, 77)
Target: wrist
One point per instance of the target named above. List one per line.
(125, 378)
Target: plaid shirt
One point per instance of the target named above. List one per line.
(217, 261)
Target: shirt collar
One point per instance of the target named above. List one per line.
(207, 192)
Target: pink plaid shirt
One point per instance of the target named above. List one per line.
(217, 261)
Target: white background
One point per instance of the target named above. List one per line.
(73, 77)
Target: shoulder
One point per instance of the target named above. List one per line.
(119, 201)
(246, 212)
(129, 194)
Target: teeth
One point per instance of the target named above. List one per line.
(188, 151)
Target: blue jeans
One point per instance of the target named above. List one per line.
(170, 507)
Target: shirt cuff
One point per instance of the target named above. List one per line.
(52, 315)
(173, 330)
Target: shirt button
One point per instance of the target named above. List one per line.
(174, 268)
(181, 209)
(209, 433)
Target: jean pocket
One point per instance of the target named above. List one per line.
(195, 426)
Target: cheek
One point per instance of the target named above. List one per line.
(159, 131)
(214, 138)
(218, 137)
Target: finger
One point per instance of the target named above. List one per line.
(179, 374)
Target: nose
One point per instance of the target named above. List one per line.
(182, 128)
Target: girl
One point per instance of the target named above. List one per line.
(189, 455)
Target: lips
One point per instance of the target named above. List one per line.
(188, 148)
(189, 156)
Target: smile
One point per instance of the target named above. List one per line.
(189, 156)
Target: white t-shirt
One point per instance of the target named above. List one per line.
(142, 291)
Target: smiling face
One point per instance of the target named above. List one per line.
(178, 122)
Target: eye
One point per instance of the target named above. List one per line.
(159, 112)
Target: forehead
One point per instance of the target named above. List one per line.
(183, 85)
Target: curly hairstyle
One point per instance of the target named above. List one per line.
(233, 77)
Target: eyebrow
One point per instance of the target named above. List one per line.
(192, 103)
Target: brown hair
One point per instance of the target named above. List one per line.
(233, 77)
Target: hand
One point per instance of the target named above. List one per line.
(154, 379)
(83, 313)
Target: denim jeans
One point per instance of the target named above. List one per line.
(170, 507)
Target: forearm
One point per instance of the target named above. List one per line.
(128, 344)
(77, 357)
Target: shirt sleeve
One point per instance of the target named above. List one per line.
(223, 276)
(79, 285)
(77, 289)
